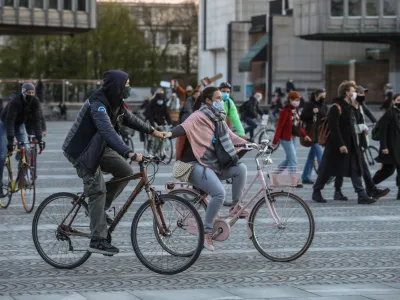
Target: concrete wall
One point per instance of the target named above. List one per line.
(304, 61)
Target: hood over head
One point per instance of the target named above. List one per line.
(113, 85)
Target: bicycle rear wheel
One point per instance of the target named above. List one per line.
(27, 187)
(7, 189)
(62, 245)
(184, 229)
(300, 231)
(193, 197)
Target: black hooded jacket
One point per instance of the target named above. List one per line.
(18, 111)
(97, 124)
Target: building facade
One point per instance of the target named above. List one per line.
(256, 46)
(47, 16)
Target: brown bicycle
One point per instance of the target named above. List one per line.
(61, 230)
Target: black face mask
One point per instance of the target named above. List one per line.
(360, 99)
(322, 100)
(28, 98)
(397, 105)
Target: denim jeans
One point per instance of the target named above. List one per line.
(290, 151)
(20, 135)
(251, 125)
(315, 152)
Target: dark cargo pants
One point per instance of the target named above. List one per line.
(101, 195)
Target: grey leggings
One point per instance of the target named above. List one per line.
(206, 180)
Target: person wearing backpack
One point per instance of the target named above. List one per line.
(388, 131)
(249, 112)
(342, 155)
(314, 110)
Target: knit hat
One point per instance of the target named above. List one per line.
(26, 87)
(293, 95)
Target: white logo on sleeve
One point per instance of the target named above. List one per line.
(102, 109)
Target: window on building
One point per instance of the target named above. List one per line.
(68, 4)
(389, 7)
(8, 2)
(39, 4)
(53, 4)
(354, 8)
(337, 8)
(372, 7)
(81, 5)
(23, 3)
(162, 37)
(172, 61)
(175, 37)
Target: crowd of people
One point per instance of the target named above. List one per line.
(210, 130)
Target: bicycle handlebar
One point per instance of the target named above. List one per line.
(149, 159)
(21, 144)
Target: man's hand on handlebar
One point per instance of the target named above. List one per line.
(138, 157)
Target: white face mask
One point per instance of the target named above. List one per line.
(354, 97)
(295, 103)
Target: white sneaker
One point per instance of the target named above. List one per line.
(208, 241)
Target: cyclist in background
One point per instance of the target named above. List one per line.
(13, 119)
(158, 111)
(249, 112)
(233, 117)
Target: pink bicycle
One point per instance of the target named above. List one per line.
(280, 225)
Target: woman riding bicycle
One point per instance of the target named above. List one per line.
(202, 139)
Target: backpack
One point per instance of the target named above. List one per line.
(377, 131)
(323, 130)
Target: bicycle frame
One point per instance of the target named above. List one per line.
(14, 183)
(151, 193)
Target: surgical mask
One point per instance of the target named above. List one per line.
(360, 99)
(126, 92)
(353, 97)
(225, 96)
(160, 102)
(295, 103)
(219, 105)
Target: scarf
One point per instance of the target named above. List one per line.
(218, 118)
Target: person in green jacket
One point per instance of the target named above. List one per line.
(231, 109)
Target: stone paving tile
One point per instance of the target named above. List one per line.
(109, 296)
(384, 297)
(6, 298)
(192, 294)
(349, 289)
(269, 292)
(324, 298)
(73, 296)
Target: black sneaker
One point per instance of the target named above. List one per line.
(102, 246)
(378, 193)
(317, 197)
(339, 196)
(299, 186)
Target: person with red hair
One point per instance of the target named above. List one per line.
(288, 129)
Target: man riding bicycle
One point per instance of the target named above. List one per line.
(13, 120)
(93, 145)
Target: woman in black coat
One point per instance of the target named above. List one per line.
(342, 155)
(389, 153)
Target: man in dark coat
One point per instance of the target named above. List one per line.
(342, 155)
(93, 145)
(389, 153)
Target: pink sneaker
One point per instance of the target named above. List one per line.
(234, 210)
(208, 241)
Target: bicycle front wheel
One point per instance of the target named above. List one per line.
(370, 154)
(27, 187)
(7, 188)
(174, 250)
(62, 245)
(267, 134)
(287, 238)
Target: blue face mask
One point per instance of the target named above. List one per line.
(219, 105)
(225, 96)
(160, 102)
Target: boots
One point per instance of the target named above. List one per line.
(339, 195)
(377, 193)
(317, 197)
(363, 198)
